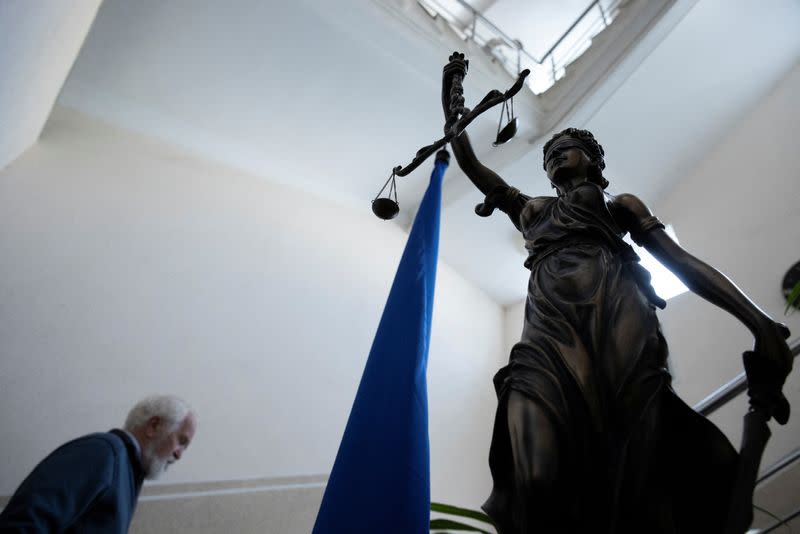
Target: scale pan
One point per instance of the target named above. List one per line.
(507, 133)
(385, 208)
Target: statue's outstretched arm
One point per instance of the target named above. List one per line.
(482, 176)
(705, 281)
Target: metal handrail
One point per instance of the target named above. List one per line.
(725, 394)
(782, 522)
(572, 27)
(513, 43)
(606, 18)
(779, 465)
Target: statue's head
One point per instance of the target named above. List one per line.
(574, 152)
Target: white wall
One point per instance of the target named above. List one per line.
(738, 211)
(128, 267)
(257, 506)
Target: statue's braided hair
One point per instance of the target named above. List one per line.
(593, 149)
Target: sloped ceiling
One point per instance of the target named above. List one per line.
(328, 97)
(40, 43)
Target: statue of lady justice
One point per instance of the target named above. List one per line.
(588, 435)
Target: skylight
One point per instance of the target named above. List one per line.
(544, 36)
(666, 284)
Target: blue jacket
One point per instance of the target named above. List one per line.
(88, 485)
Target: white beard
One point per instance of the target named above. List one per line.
(154, 465)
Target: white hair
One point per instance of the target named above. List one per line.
(171, 409)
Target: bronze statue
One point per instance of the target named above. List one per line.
(588, 435)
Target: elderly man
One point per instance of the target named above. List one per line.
(91, 484)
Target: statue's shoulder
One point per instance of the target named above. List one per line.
(628, 206)
(632, 215)
(536, 204)
(627, 201)
(533, 208)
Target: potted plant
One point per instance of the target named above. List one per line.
(441, 525)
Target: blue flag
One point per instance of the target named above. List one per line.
(380, 482)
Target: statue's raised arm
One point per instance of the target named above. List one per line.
(498, 193)
(458, 121)
(453, 75)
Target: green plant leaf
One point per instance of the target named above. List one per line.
(447, 524)
(463, 512)
(793, 297)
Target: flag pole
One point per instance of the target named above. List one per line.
(380, 480)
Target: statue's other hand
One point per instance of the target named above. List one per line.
(767, 367)
(771, 344)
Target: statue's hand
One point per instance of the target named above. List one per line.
(771, 344)
(767, 367)
(457, 67)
